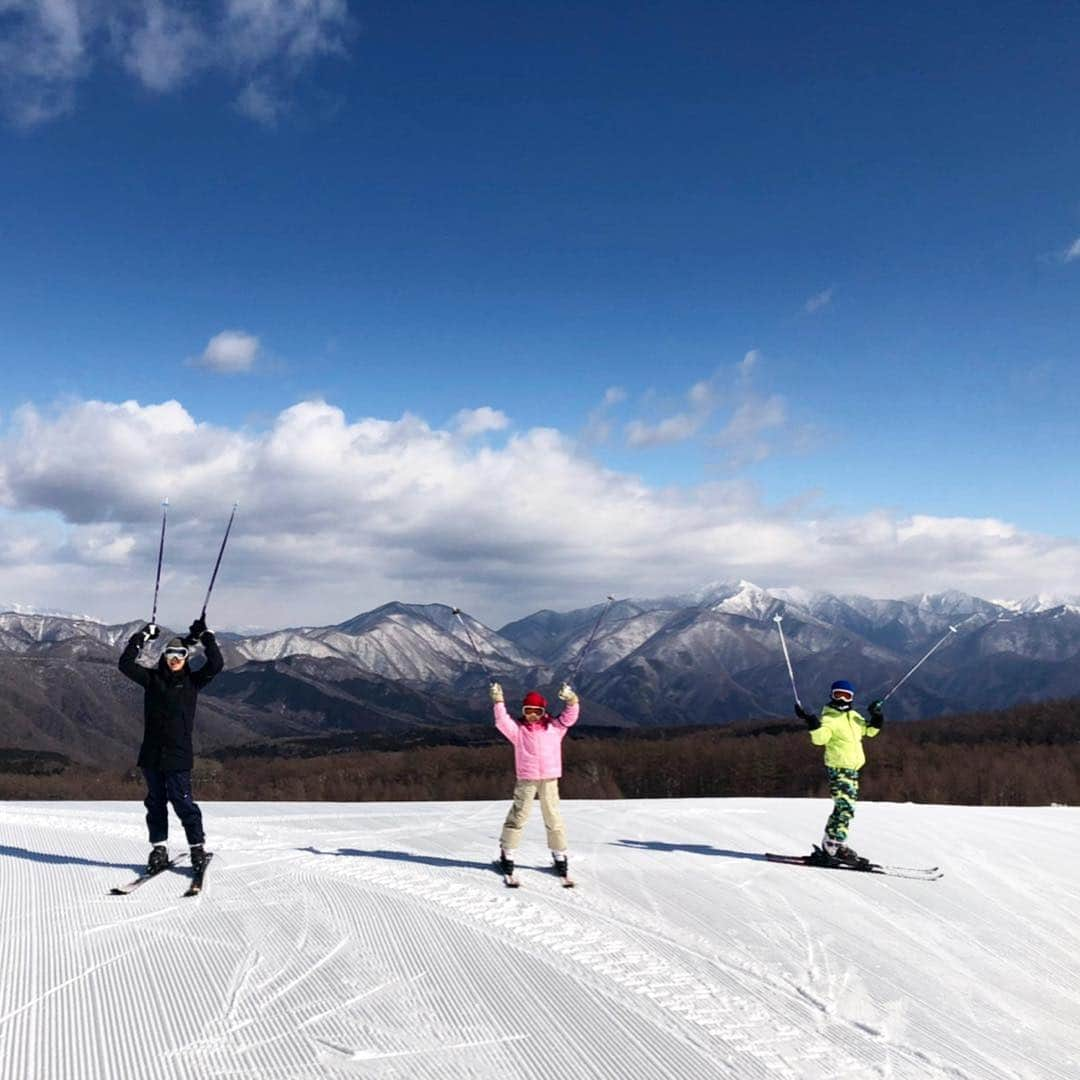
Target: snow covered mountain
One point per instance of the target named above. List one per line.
(344, 940)
(31, 632)
(419, 644)
(1040, 602)
(710, 656)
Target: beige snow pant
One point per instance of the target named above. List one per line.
(524, 793)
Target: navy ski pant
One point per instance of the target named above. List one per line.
(163, 788)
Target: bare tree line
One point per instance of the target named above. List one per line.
(1028, 755)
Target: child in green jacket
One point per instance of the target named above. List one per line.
(840, 729)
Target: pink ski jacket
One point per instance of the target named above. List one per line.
(537, 747)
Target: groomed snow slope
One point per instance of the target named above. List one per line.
(374, 940)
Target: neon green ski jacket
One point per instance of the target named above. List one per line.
(841, 733)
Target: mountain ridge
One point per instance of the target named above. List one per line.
(708, 656)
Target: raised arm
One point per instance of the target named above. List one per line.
(568, 717)
(503, 720)
(129, 658)
(876, 721)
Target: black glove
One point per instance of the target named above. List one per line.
(877, 717)
(141, 637)
(197, 628)
(808, 718)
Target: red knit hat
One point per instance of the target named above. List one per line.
(533, 699)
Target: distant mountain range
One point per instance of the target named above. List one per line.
(712, 656)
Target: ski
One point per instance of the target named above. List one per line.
(142, 879)
(935, 870)
(865, 866)
(200, 875)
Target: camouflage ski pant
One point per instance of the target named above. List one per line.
(844, 789)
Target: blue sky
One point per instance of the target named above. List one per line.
(819, 260)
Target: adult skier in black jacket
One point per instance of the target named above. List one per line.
(166, 757)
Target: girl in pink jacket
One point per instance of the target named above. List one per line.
(537, 739)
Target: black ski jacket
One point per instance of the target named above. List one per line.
(169, 704)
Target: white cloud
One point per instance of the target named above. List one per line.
(746, 367)
(702, 398)
(472, 422)
(261, 47)
(749, 423)
(598, 425)
(231, 352)
(258, 102)
(338, 515)
(702, 395)
(730, 387)
(818, 301)
(163, 45)
(259, 32)
(42, 55)
(1073, 252)
(671, 429)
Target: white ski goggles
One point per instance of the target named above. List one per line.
(177, 652)
(843, 695)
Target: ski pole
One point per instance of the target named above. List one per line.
(585, 648)
(217, 565)
(896, 686)
(160, 557)
(779, 620)
(472, 642)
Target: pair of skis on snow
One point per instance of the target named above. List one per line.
(824, 861)
(511, 881)
(193, 889)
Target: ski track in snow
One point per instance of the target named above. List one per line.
(376, 940)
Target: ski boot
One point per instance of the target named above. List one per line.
(199, 858)
(506, 864)
(837, 852)
(847, 855)
(158, 860)
(561, 866)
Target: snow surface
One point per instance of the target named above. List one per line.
(374, 940)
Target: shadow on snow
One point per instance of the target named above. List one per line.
(404, 856)
(435, 860)
(61, 860)
(693, 849)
